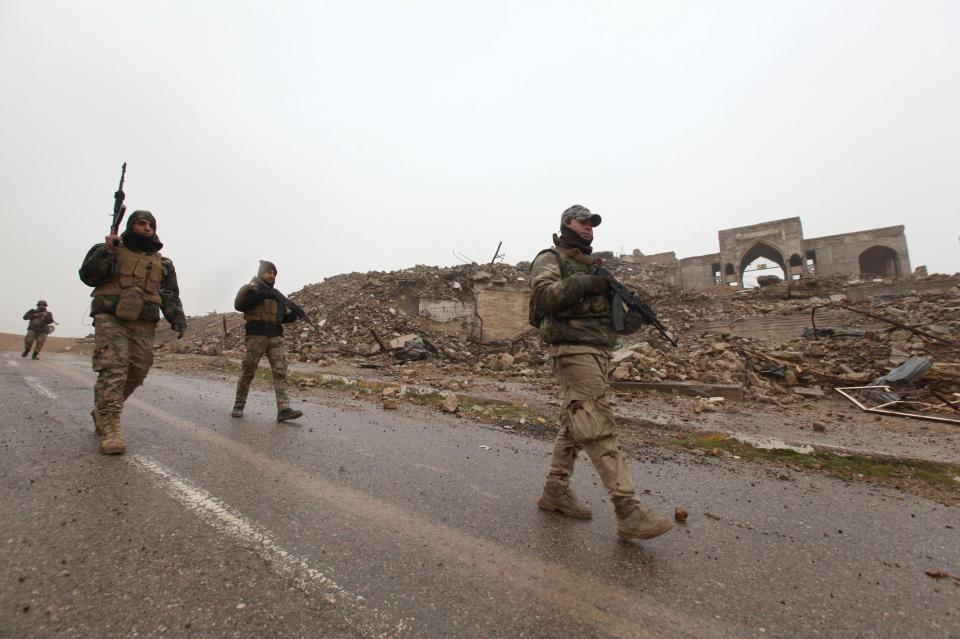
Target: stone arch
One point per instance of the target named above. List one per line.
(761, 249)
(880, 261)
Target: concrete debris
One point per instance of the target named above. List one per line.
(450, 403)
(425, 321)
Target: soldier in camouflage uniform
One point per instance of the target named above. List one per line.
(40, 324)
(132, 284)
(571, 307)
(265, 317)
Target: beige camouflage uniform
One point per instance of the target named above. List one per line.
(38, 328)
(133, 285)
(572, 308)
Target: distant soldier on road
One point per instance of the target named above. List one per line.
(571, 306)
(132, 284)
(40, 324)
(265, 314)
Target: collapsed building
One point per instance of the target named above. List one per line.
(864, 254)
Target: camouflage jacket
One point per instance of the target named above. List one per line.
(99, 265)
(562, 295)
(38, 319)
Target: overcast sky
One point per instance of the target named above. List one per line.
(353, 136)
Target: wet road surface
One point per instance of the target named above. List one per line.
(360, 522)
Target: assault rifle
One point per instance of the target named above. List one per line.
(119, 208)
(622, 295)
(293, 306)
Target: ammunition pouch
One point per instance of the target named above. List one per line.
(130, 304)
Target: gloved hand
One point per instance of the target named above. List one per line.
(180, 329)
(594, 284)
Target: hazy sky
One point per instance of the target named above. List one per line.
(354, 136)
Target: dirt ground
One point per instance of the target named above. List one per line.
(54, 344)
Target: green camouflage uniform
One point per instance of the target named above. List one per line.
(264, 335)
(123, 350)
(37, 329)
(573, 310)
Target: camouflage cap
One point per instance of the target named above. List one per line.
(266, 266)
(577, 212)
(141, 215)
(41, 302)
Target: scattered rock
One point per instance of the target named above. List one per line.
(680, 514)
(451, 403)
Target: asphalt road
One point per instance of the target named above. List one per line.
(360, 522)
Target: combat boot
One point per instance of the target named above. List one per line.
(96, 422)
(561, 499)
(112, 442)
(237, 410)
(25, 353)
(288, 413)
(36, 356)
(639, 523)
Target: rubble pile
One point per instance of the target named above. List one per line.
(861, 350)
(374, 318)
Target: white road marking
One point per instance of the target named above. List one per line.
(232, 523)
(40, 388)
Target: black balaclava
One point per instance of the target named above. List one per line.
(137, 242)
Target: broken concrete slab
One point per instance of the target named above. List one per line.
(808, 392)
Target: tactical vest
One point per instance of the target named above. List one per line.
(586, 322)
(38, 323)
(134, 269)
(267, 311)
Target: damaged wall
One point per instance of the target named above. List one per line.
(502, 313)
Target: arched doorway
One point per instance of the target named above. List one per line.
(879, 261)
(761, 259)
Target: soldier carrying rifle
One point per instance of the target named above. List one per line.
(572, 306)
(132, 284)
(266, 310)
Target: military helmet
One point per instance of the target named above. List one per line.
(41, 302)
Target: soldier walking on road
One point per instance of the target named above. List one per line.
(40, 324)
(571, 306)
(133, 285)
(265, 315)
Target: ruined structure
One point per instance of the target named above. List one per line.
(869, 254)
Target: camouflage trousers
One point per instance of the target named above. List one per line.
(34, 337)
(123, 354)
(257, 346)
(587, 423)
